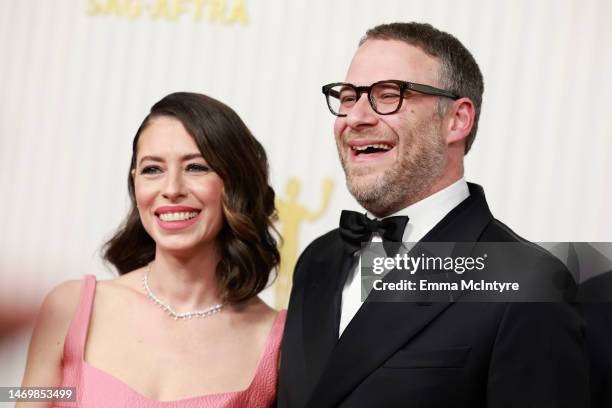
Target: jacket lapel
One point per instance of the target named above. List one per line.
(321, 309)
(376, 332)
(379, 329)
(466, 222)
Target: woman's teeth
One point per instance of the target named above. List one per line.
(177, 216)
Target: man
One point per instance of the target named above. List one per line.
(407, 114)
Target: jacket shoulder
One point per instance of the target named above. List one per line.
(325, 241)
(497, 231)
(325, 246)
(527, 262)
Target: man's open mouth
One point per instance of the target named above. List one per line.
(371, 148)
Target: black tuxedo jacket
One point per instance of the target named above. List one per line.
(423, 355)
(598, 318)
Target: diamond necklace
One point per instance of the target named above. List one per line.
(169, 310)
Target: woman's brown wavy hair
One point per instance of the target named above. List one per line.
(247, 240)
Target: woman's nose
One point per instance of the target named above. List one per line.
(174, 186)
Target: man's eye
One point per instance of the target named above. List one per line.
(150, 170)
(197, 167)
(347, 99)
(389, 96)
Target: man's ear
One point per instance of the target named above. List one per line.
(460, 117)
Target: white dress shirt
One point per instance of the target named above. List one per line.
(424, 215)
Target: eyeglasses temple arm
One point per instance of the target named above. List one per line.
(430, 90)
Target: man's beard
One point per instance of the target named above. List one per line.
(418, 166)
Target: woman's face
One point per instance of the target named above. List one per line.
(178, 195)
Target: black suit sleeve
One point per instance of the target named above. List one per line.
(538, 358)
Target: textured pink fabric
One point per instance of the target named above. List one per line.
(97, 389)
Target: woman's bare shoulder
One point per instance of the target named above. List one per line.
(258, 314)
(129, 279)
(46, 346)
(117, 294)
(61, 302)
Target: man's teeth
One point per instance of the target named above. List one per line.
(177, 216)
(372, 146)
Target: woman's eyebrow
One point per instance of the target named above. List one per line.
(160, 160)
(191, 156)
(150, 158)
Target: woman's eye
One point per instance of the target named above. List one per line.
(150, 170)
(197, 167)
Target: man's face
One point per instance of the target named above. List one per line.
(408, 151)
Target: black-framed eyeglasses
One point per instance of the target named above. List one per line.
(385, 96)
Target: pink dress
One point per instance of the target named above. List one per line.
(98, 389)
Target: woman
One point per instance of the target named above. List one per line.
(182, 324)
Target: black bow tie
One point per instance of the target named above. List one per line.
(356, 228)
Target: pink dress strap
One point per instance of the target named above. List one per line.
(74, 343)
(266, 376)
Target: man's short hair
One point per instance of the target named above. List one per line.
(458, 73)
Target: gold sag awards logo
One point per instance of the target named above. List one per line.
(291, 215)
(215, 11)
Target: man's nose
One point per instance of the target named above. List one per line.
(361, 114)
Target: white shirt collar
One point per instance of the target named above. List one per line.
(425, 214)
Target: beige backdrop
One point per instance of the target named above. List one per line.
(78, 76)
